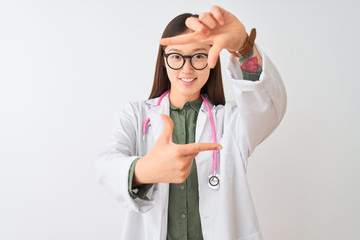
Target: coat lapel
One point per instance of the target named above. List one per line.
(157, 125)
(204, 162)
(203, 117)
(156, 121)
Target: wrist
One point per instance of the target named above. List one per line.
(143, 171)
(250, 64)
(138, 179)
(247, 46)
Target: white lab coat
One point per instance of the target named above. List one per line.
(227, 213)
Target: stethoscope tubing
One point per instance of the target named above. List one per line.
(213, 133)
(148, 120)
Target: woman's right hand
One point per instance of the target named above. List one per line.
(168, 162)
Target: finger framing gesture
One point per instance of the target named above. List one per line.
(218, 27)
(167, 161)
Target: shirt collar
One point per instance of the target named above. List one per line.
(196, 104)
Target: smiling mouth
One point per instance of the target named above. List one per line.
(187, 79)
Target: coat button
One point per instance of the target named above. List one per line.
(182, 187)
(183, 216)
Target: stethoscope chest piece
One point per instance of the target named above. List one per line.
(214, 181)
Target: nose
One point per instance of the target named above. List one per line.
(187, 66)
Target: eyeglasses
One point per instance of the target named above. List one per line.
(175, 61)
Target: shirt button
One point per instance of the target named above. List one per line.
(183, 216)
(182, 187)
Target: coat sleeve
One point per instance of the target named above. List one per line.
(114, 161)
(260, 105)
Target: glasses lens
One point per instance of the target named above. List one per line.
(175, 60)
(199, 61)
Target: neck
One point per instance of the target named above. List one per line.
(178, 100)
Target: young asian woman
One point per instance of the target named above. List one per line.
(165, 150)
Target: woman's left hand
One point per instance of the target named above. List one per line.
(218, 28)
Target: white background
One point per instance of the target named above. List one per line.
(68, 67)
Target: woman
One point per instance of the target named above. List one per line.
(172, 185)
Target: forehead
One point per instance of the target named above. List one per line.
(188, 48)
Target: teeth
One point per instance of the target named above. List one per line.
(187, 79)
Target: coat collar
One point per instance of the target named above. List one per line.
(203, 117)
(165, 101)
(154, 114)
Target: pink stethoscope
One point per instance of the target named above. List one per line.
(214, 177)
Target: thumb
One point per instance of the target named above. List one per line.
(166, 134)
(214, 54)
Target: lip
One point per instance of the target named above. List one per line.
(188, 83)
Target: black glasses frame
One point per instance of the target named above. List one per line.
(184, 59)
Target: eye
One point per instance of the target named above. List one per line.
(199, 56)
(175, 56)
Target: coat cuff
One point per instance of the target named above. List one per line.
(237, 75)
(251, 76)
(139, 191)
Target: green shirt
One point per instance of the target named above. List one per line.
(183, 213)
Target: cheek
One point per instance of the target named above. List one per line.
(204, 75)
(170, 74)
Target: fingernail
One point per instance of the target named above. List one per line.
(207, 32)
(221, 22)
(220, 147)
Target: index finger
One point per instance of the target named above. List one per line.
(195, 148)
(218, 12)
(180, 39)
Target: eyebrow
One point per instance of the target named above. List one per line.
(194, 50)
